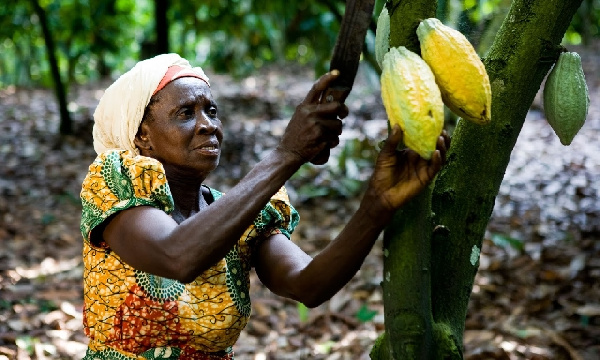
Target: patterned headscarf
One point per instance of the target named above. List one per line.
(121, 108)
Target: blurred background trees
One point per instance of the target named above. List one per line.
(95, 38)
(84, 40)
(57, 43)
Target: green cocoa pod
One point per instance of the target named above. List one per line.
(566, 97)
(382, 36)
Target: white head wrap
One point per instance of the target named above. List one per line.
(121, 108)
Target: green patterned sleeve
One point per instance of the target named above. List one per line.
(116, 181)
(278, 216)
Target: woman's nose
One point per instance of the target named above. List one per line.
(205, 125)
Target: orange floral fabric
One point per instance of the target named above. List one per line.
(130, 314)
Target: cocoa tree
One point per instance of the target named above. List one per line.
(431, 250)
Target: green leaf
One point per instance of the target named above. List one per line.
(325, 347)
(584, 320)
(302, 312)
(505, 241)
(26, 343)
(365, 314)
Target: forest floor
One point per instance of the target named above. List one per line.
(536, 295)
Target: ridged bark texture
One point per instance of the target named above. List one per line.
(407, 262)
(405, 16)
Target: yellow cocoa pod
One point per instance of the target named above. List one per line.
(459, 72)
(412, 99)
(382, 36)
(566, 97)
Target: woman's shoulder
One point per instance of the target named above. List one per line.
(118, 176)
(281, 195)
(126, 158)
(122, 168)
(118, 168)
(118, 180)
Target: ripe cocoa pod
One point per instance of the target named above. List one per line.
(459, 72)
(566, 97)
(412, 99)
(382, 36)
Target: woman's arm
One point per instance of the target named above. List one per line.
(149, 240)
(288, 271)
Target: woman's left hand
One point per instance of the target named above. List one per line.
(400, 175)
(315, 126)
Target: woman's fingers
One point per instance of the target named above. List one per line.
(435, 164)
(343, 111)
(447, 139)
(333, 142)
(394, 138)
(314, 95)
(317, 125)
(330, 110)
(331, 127)
(443, 144)
(322, 157)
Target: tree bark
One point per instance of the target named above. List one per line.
(405, 16)
(408, 307)
(66, 125)
(162, 26)
(407, 275)
(431, 250)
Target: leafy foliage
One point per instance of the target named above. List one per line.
(240, 36)
(97, 37)
(585, 24)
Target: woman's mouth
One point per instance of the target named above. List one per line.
(208, 149)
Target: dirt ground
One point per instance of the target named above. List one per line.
(536, 296)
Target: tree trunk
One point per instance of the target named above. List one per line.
(162, 26)
(432, 248)
(587, 21)
(22, 65)
(66, 125)
(406, 268)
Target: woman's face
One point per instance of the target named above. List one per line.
(181, 128)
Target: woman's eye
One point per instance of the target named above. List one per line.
(186, 113)
(212, 111)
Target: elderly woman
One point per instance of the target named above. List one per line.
(167, 259)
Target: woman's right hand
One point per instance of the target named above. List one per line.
(315, 125)
(399, 175)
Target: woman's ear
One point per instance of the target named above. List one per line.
(142, 140)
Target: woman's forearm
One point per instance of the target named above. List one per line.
(210, 234)
(335, 265)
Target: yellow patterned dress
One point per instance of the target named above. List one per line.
(130, 314)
